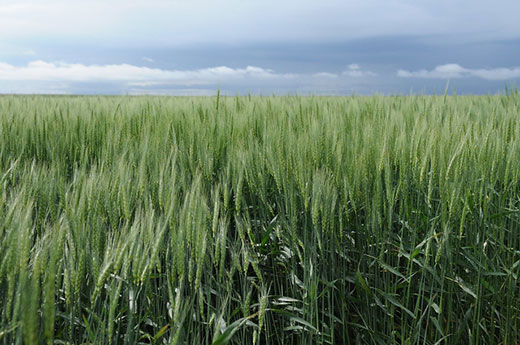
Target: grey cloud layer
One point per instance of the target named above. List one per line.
(178, 21)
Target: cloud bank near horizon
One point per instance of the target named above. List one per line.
(455, 71)
(61, 71)
(58, 75)
(72, 78)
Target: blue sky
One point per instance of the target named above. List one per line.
(193, 47)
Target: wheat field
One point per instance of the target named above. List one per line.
(260, 220)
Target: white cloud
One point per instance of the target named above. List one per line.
(46, 71)
(146, 76)
(354, 70)
(497, 73)
(453, 71)
(446, 71)
(45, 77)
(148, 59)
(325, 75)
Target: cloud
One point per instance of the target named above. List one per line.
(138, 75)
(325, 75)
(155, 22)
(148, 59)
(146, 76)
(354, 70)
(454, 71)
(45, 77)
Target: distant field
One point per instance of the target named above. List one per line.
(260, 220)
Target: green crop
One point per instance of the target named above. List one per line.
(260, 220)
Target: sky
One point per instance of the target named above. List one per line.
(194, 47)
